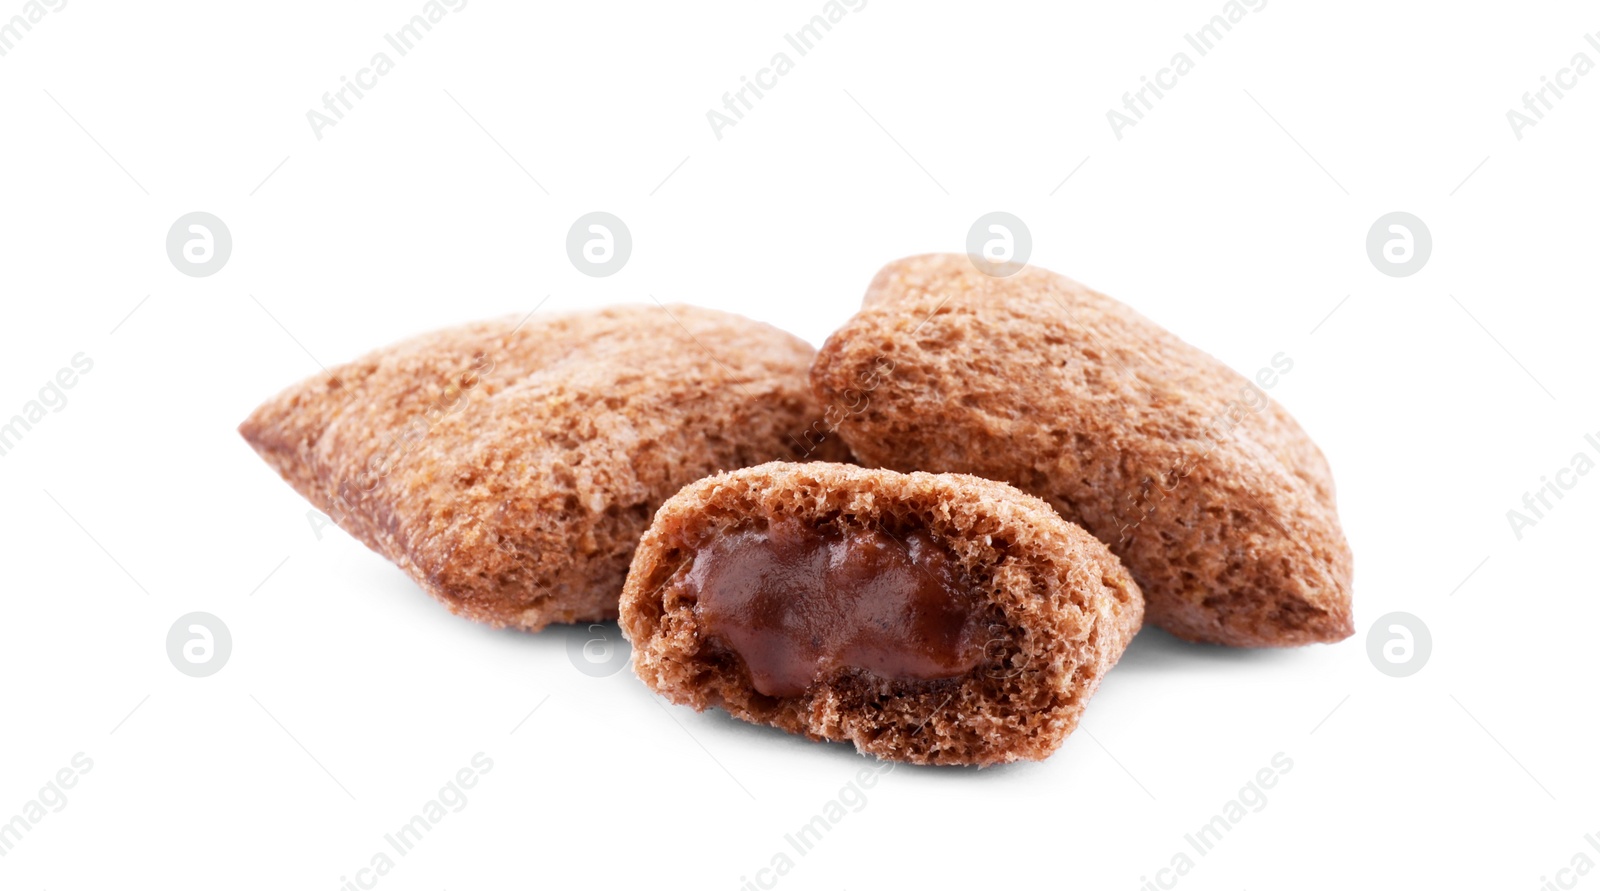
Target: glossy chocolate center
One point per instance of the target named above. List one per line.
(797, 604)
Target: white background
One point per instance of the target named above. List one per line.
(1235, 213)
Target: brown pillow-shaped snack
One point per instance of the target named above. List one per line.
(510, 468)
(929, 618)
(1214, 498)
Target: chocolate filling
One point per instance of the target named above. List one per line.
(798, 604)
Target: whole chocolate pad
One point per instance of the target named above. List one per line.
(1217, 502)
(929, 618)
(510, 466)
